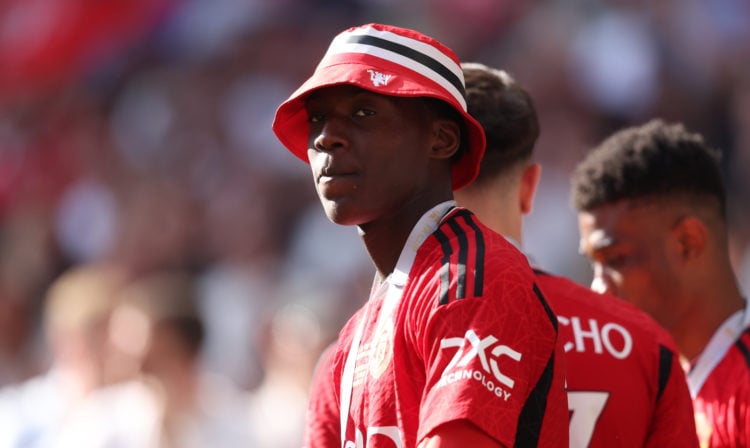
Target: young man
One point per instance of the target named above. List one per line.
(652, 216)
(625, 384)
(455, 347)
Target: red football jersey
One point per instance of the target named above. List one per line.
(626, 387)
(459, 331)
(720, 384)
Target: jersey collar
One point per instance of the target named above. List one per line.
(425, 227)
(717, 347)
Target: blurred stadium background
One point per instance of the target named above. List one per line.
(139, 131)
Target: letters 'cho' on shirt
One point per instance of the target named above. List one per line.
(626, 387)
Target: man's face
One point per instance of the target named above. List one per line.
(368, 152)
(627, 246)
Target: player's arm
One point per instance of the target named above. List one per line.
(458, 434)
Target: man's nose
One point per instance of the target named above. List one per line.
(330, 136)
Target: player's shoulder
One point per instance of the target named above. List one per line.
(465, 240)
(460, 231)
(743, 344)
(571, 298)
(739, 358)
(464, 259)
(731, 377)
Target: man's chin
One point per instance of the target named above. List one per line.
(346, 214)
(340, 213)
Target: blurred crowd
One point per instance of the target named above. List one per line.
(158, 243)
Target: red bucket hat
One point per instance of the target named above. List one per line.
(391, 61)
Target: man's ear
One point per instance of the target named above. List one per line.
(446, 138)
(529, 182)
(690, 236)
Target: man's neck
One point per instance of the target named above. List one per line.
(504, 220)
(385, 238)
(698, 323)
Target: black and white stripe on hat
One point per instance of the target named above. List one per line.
(412, 54)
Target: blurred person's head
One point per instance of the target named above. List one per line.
(76, 309)
(292, 339)
(652, 215)
(504, 189)
(303, 322)
(157, 323)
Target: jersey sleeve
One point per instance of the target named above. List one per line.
(322, 424)
(490, 360)
(673, 424)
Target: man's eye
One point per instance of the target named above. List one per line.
(615, 261)
(314, 118)
(364, 113)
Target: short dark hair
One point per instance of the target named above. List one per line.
(654, 160)
(506, 112)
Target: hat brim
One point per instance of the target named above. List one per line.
(291, 122)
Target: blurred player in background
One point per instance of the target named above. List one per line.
(455, 346)
(652, 215)
(76, 309)
(625, 384)
(171, 402)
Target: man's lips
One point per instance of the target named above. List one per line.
(336, 178)
(333, 171)
(335, 182)
(335, 174)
